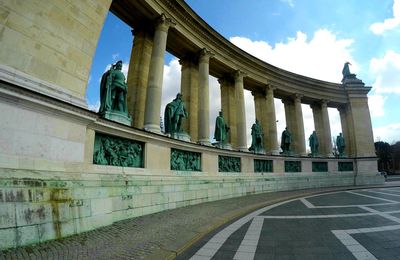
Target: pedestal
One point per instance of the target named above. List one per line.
(121, 118)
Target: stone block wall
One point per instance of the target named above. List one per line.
(52, 41)
(36, 207)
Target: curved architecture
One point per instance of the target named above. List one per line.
(65, 170)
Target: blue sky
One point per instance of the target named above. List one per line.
(309, 37)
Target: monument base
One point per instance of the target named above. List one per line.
(181, 136)
(225, 146)
(258, 151)
(118, 117)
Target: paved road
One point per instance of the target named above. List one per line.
(359, 224)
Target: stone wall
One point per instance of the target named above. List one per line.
(38, 206)
(51, 41)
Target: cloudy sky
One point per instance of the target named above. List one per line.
(309, 37)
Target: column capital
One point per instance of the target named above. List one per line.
(324, 102)
(315, 105)
(270, 87)
(205, 55)
(186, 62)
(287, 101)
(224, 80)
(297, 97)
(238, 75)
(163, 23)
(342, 108)
(258, 94)
(145, 29)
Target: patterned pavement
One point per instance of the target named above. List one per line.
(358, 224)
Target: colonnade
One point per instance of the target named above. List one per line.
(144, 100)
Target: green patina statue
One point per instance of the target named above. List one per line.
(340, 144)
(257, 138)
(314, 144)
(174, 113)
(113, 90)
(286, 140)
(221, 129)
(349, 77)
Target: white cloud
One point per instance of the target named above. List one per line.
(289, 2)
(115, 56)
(390, 23)
(386, 70)
(376, 105)
(94, 107)
(322, 57)
(388, 133)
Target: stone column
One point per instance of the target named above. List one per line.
(241, 112)
(298, 133)
(204, 99)
(322, 128)
(190, 95)
(272, 134)
(318, 126)
(260, 105)
(154, 87)
(228, 107)
(289, 114)
(327, 136)
(345, 129)
(138, 75)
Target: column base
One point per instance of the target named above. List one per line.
(225, 146)
(204, 142)
(242, 149)
(117, 116)
(152, 128)
(274, 152)
(181, 136)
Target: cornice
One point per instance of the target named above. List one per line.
(231, 58)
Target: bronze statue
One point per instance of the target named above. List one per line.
(113, 90)
(257, 138)
(314, 144)
(174, 113)
(340, 144)
(221, 129)
(286, 140)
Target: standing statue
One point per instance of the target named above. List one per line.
(340, 144)
(221, 129)
(257, 138)
(286, 140)
(113, 90)
(314, 144)
(174, 113)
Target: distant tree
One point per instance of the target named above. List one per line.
(395, 150)
(383, 152)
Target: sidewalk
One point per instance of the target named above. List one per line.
(158, 236)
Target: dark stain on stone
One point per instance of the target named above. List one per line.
(56, 197)
(14, 197)
(30, 195)
(32, 182)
